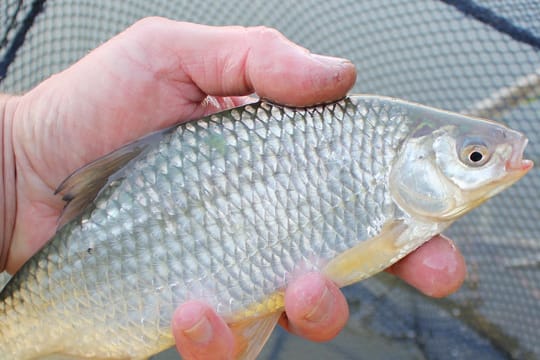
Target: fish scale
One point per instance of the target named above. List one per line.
(227, 210)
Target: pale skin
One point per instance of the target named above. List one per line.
(156, 73)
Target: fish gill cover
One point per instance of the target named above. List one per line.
(469, 56)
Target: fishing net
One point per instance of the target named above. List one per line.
(478, 57)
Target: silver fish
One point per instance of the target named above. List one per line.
(229, 208)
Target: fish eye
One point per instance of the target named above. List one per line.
(475, 155)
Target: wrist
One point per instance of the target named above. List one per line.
(8, 202)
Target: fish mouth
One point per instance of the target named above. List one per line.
(516, 163)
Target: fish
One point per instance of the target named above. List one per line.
(228, 209)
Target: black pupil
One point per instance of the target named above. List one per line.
(476, 156)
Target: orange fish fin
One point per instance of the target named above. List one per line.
(251, 335)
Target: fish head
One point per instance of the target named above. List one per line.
(452, 163)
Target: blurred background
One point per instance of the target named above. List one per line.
(476, 57)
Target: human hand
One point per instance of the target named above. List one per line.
(151, 76)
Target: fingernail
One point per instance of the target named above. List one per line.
(322, 308)
(444, 259)
(201, 332)
(332, 61)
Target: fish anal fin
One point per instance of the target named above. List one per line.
(251, 335)
(368, 257)
(81, 187)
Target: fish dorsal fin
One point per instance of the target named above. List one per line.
(81, 187)
(251, 335)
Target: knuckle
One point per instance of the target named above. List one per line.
(151, 24)
(265, 34)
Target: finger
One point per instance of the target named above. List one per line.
(263, 60)
(224, 61)
(315, 308)
(437, 268)
(200, 333)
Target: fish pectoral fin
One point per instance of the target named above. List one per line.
(81, 187)
(251, 335)
(368, 257)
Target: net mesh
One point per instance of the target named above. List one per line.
(477, 57)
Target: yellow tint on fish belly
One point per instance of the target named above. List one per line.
(353, 265)
(253, 326)
(273, 303)
(368, 257)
